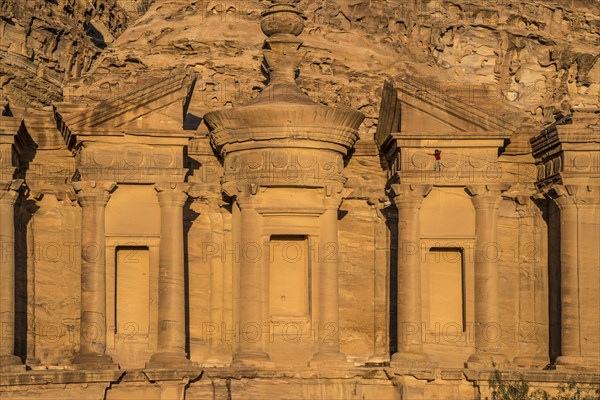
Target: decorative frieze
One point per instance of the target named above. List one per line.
(132, 163)
(284, 167)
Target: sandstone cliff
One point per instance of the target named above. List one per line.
(44, 43)
(540, 56)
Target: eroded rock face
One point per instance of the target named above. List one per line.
(539, 56)
(45, 43)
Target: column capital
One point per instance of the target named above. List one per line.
(202, 192)
(523, 201)
(235, 189)
(334, 194)
(486, 196)
(244, 194)
(172, 194)
(93, 193)
(9, 191)
(574, 195)
(408, 195)
(486, 190)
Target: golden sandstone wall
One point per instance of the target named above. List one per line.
(95, 93)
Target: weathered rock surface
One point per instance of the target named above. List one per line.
(45, 43)
(539, 56)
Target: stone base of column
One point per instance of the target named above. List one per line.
(11, 363)
(531, 361)
(412, 360)
(93, 361)
(170, 360)
(329, 360)
(481, 360)
(252, 359)
(577, 363)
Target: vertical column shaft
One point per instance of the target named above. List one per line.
(93, 197)
(409, 277)
(487, 328)
(251, 309)
(8, 197)
(531, 343)
(329, 332)
(171, 275)
(328, 324)
(250, 281)
(408, 199)
(579, 263)
(540, 268)
(569, 285)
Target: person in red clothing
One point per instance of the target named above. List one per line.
(438, 160)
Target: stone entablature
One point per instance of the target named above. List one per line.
(135, 138)
(10, 128)
(568, 151)
(279, 165)
(416, 121)
(283, 144)
(466, 157)
(132, 162)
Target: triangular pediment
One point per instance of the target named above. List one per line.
(160, 106)
(417, 116)
(416, 107)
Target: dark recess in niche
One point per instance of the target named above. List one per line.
(95, 35)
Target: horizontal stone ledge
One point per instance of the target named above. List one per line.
(48, 377)
(297, 373)
(549, 376)
(58, 377)
(158, 375)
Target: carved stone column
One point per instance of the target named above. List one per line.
(408, 199)
(486, 200)
(533, 337)
(251, 344)
(171, 278)
(574, 246)
(8, 196)
(328, 326)
(93, 197)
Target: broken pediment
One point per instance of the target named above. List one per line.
(419, 109)
(150, 110)
(418, 119)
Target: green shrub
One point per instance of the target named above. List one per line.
(520, 390)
